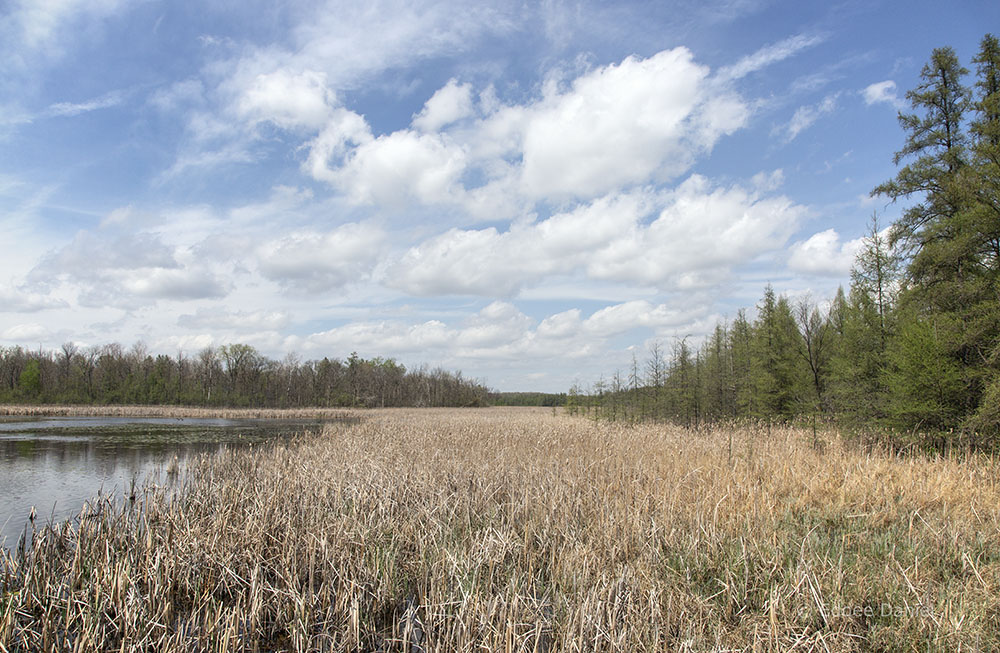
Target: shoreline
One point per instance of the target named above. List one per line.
(120, 410)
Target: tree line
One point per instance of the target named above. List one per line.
(546, 399)
(914, 343)
(234, 375)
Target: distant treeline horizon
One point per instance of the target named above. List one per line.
(233, 375)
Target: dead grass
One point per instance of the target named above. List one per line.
(518, 530)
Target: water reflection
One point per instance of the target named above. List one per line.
(55, 465)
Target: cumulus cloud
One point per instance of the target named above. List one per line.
(125, 269)
(698, 234)
(622, 124)
(332, 47)
(319, 262)
(389, 338)
(490, 262)
(289, 100)
(450, 103)
(823, 254)
(618, 125)
(619, 318)
(401, 167)
(89, 254)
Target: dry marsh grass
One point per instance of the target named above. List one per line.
(518, 530)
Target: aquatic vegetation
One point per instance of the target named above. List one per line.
(521, 530)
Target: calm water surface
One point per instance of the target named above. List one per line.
(56, 464)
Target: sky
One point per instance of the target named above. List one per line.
(528, 192)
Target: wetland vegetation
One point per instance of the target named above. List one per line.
(516, 529)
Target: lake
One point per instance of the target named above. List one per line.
(55, 464)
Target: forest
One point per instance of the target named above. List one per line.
(913, 345)
(234, 375)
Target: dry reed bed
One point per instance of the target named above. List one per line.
(517, 530)
(39, 410)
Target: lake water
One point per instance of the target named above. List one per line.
(56, 464)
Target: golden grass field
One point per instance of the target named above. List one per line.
(523, 530)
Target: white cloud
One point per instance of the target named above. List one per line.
(767, 182)
(68, 109)
(344, 130)
(389, 338)
(450, 103)
(186, 343)
(823, 254)
(768, 55)
(619, 318)
(488, 262)
(13, 300)
(26, 333)
(162, 283)
(89, 254)
(331, 47)
(619, 125)
(883, 92)
(289, 100)
(699, 235)
(616, 126)
(398, 168)
(805, 116)
(126, 269)
(351, 40)
(320, 262)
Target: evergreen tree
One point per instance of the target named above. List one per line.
(935, 142)
(950, 299)
(926, 383)
(778, 375)
(983, 194)
(743, 365)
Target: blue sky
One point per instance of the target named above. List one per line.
(527, 192)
